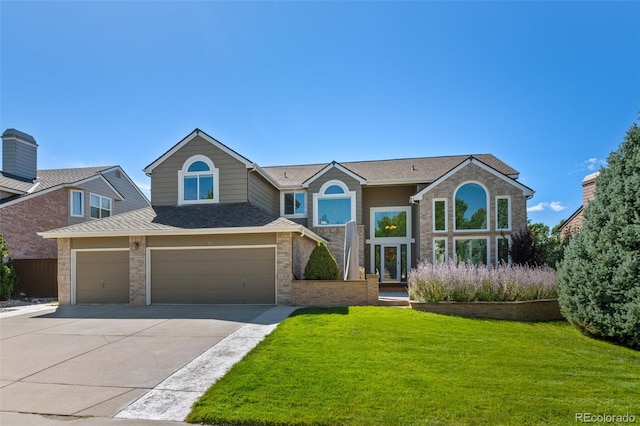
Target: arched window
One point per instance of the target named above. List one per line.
(471, 209)
(198, 181)
(334, 204)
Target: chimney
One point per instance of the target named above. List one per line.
(589, 188)
(19, 154)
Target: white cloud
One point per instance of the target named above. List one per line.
(537, 208)
(556, 206)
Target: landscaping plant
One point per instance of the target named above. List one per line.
(321, 265)
(599, 279)
(462, 282)
(8, 278)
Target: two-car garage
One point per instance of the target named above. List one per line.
(211, 272)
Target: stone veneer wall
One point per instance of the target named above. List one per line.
(64, 271)
(495, 187)
(138, 271)
(335, 293)
(284, 272)
(19, 223)
(335, 242)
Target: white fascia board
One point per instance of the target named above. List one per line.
(338, 166)
(526, 191)
(267, 176)
(11, 190)
(201, 231)
(119, 196)
(197, 132)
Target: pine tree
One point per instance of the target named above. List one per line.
(8, 278)
(599, 278)
(321, 265)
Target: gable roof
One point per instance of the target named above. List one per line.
(198, 219)
(386, 172)
(52, 179)
(197, 132)
(526, 191)
(333, 165)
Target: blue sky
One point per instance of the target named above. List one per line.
(548, 87)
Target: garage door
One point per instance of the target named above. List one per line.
(102, 276)
(215, 276)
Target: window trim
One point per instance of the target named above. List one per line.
(455, 246)
(433, 248)
(101, 197)
(81, 192)
(182, 173)
(320, 195)
(508, 198)
(372, 220)
(294, 192)
(446, 221)
(487, 203)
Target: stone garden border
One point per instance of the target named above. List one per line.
(528, 310)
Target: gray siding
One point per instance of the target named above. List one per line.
(133, 199)
(332, 174)
(233, 174)
(98, 187)
(19, 158)
(210, 240)
(263, 194)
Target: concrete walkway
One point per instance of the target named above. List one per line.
(109, 364)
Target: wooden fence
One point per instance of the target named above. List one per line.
(37, 277)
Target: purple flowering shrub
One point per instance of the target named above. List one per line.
(463, 282)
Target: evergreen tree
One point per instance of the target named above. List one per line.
(8, 278)
(321, 265)
(599, 278)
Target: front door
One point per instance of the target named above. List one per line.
(390, 263)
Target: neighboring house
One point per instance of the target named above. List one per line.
(33, 200)
(574, 223)
(222, 229)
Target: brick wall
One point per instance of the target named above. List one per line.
(138, 270)
(335, 242)
(20, 222)
(335, 293)
(64, 271)
(533, 310)
(284, 271)
(495, 187)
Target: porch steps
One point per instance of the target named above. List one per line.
(393, 298)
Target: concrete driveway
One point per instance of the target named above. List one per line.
(98, 360)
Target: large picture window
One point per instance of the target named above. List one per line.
(334, 204)
(439, 250)
(472, 250)
(198, 181)
(390, 223)
(471, 207)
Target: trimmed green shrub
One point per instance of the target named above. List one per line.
(321, 265)
(8, 276)
(599, 278)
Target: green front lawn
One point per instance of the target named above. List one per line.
(377, 365)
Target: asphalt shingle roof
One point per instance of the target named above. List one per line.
(50, 178)
(160, 218)
(423, 169)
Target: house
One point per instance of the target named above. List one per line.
(221, 229)
(574, 222)
(33, 200)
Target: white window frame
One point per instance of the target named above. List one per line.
(508, 238)
(294, 192)
(400, 240)
(182, 173)
(322, 196)
(100, 206)
(446, 249)
(446, 219)
(76, 191)
(487, 239)
(508, 198)
(488, 204)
